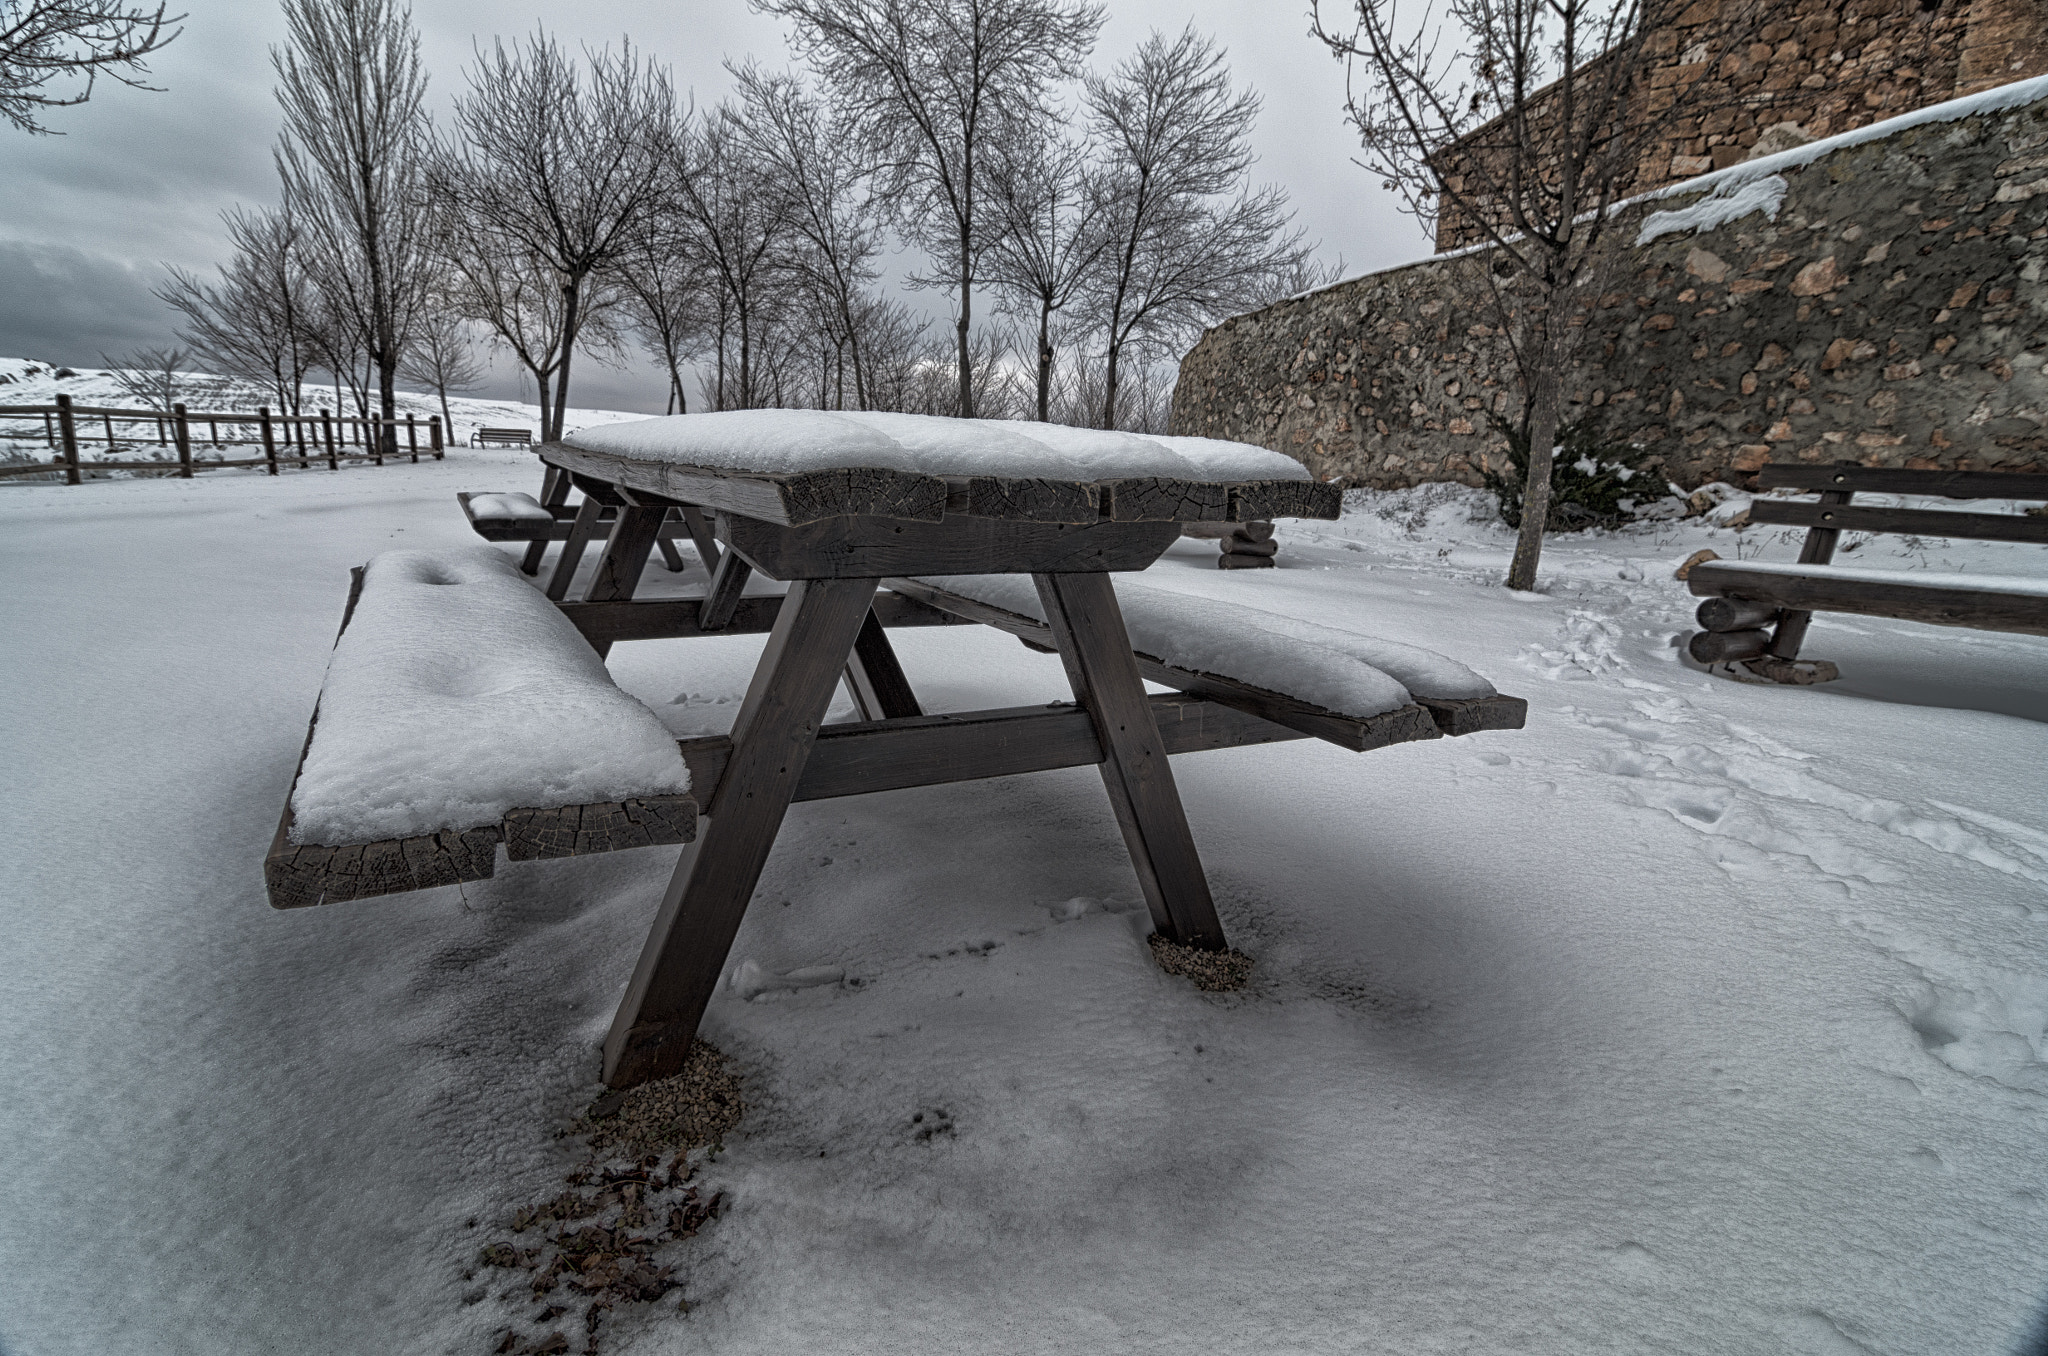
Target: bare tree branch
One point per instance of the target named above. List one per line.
(43, 42)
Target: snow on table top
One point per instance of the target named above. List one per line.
(787, 441)
(1981, 583)
(458, 693)
(514, 504)
(1342, 671)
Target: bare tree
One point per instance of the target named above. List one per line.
(158, 377)
(928, 85)
(1174, 144)
(1051, 237)
(443, 355)
(664, 298)
(352, 156)
(1529, 120)
(253, 323)
(829, 209)
(46, 41)
(738, 211)
(553, 171)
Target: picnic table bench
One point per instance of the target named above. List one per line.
(875, 522)
(1756, 613)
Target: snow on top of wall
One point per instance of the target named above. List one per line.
(786, 441)
(459, 693)
(1343, 671)
(1727, 186)
(1728, 202)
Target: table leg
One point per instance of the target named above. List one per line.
(728, 585)
(669, 555)
(554, 489)
(875, 677)
(1089, 627)
(771, 740)
(701, 537)
(580, 532)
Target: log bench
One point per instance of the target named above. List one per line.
(1756, 613)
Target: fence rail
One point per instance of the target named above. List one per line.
(286, 439)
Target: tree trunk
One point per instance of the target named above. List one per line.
(960, 334)
(551, 422)
(387, 403)
(1044, 363)
(1109, 386)
(1543, 420)
(447, 419)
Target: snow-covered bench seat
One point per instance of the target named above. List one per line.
(1353, 690)
(462, 709)
(1757, 612)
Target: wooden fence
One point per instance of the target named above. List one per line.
(286, 439)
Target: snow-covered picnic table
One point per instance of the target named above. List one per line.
(873, 521)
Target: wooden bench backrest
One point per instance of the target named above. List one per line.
(1835, 514)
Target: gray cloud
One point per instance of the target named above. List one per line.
(140, 180)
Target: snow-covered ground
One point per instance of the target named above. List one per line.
(1697, 1017)
(27, 381)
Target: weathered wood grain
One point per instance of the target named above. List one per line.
(1088, 629)
(579, 830)
(1975, 608)
(778, 722)
(1733, 614)
(1153, 499)
(677, 618)
(875, 678)
(861, 548)
(1264, 500)
(1917, 522)
(857, 759)
(1456, 716)
(1851, 477)
(1715, 647)
(1029, 500)
(722, 600)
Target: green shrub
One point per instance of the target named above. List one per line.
(1589, 477)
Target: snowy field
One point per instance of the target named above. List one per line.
(1697, 1017)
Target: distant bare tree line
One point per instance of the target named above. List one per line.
(573, 206)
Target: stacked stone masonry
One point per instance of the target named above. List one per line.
(1894, 313)
(1819, 66)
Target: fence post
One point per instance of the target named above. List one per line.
(269, 438)
(110, 432)
(412, 436)
(50, 431)
(434, 429)
(183, 430)
(327, 432)
(373, 438)
(70, 431)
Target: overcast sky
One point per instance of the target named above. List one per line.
(139, 180)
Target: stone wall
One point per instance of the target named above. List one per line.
(1817, 67)
(1893, 312)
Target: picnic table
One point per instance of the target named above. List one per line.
(876, 521)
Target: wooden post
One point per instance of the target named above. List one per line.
(1089, 628)
(50, 429)
(434, 428)
(875, 679)
(772, 737)
(213, 427)
(110, 430)
(373, 438)
(554, 489)
(580, 532)
(412, 436)
(327, 431)
(1819, 549)
(70, 432)
(162, 439)
(269, 438)
(182, 429)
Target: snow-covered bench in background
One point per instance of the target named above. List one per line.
(1746, 597)
(462, 709)
(502, 437)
